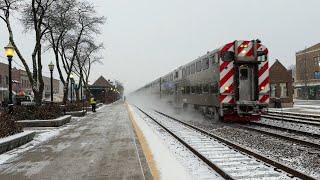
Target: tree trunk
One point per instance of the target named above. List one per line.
(65, 92)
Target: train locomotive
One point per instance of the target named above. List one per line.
(230, 83)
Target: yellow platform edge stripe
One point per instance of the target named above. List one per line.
(145, 147)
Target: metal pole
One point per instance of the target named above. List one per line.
(81, 96)
(51, 73)
(10, 81)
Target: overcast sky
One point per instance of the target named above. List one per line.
(145, 39)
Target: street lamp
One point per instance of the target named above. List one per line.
(72, 81)
(9, 51)
(51, 67)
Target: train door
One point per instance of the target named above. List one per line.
(246, 83)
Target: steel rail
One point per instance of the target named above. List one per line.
(308, 143)
(204, 159)
(291, 119)
(309, 117)
(290, 171)
(286, 129)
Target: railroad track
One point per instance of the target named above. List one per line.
(290, 130)
(289, 117)
(228, 159)
(286, 136)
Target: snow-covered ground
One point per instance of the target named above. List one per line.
(173, 160)
(43, 134)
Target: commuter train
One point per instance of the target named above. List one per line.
(230, 83)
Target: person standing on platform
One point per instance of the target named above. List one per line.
(93, 104)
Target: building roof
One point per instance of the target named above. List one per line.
(311, 48)
(101, 81)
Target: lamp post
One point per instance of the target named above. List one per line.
(9, 51)
(51, 67)
(72, 81)
(80, 83)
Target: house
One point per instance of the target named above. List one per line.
(281, 85)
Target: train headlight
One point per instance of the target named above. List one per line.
(226, 88)
(262, 88)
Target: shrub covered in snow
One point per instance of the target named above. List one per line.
(77, 106)
(8, 126)
(48, 111)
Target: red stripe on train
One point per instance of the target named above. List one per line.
(264, 83)
(226, 47)
(263, 69)
(226, 77)
(264, 98)
(224, 65)
(241, 46)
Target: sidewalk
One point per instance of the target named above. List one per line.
(101, 146)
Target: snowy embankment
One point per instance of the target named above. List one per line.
(172, 159)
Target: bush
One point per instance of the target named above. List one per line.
(8, 126)
(77, 106)
(49, 111)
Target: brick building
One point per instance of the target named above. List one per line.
(307, 80)
(21, 83)
(281, 85)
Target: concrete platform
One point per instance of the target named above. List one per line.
(102, 145)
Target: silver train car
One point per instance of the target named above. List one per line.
(231, 82)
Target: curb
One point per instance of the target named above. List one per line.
(16, 140)
(45, 123)
(77, 113)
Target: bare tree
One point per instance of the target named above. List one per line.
(66, 37)
(87, 56)
(34, 13)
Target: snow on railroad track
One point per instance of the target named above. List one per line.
(237, 165)
(306, 129)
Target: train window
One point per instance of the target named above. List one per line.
(183, 90)
(214, 88)
(193, 69)
(198, 66)
(205, 88)
(205, 63)
(244, 74)
(188, 90)
(188, 70)
(198, 89)
(193, 89)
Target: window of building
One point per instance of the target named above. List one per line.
(317, 75)
(193, 69)
(198, 66)
(0, 79)
(284, 91)
(7, 80)
(272, 90)
(205, 63)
